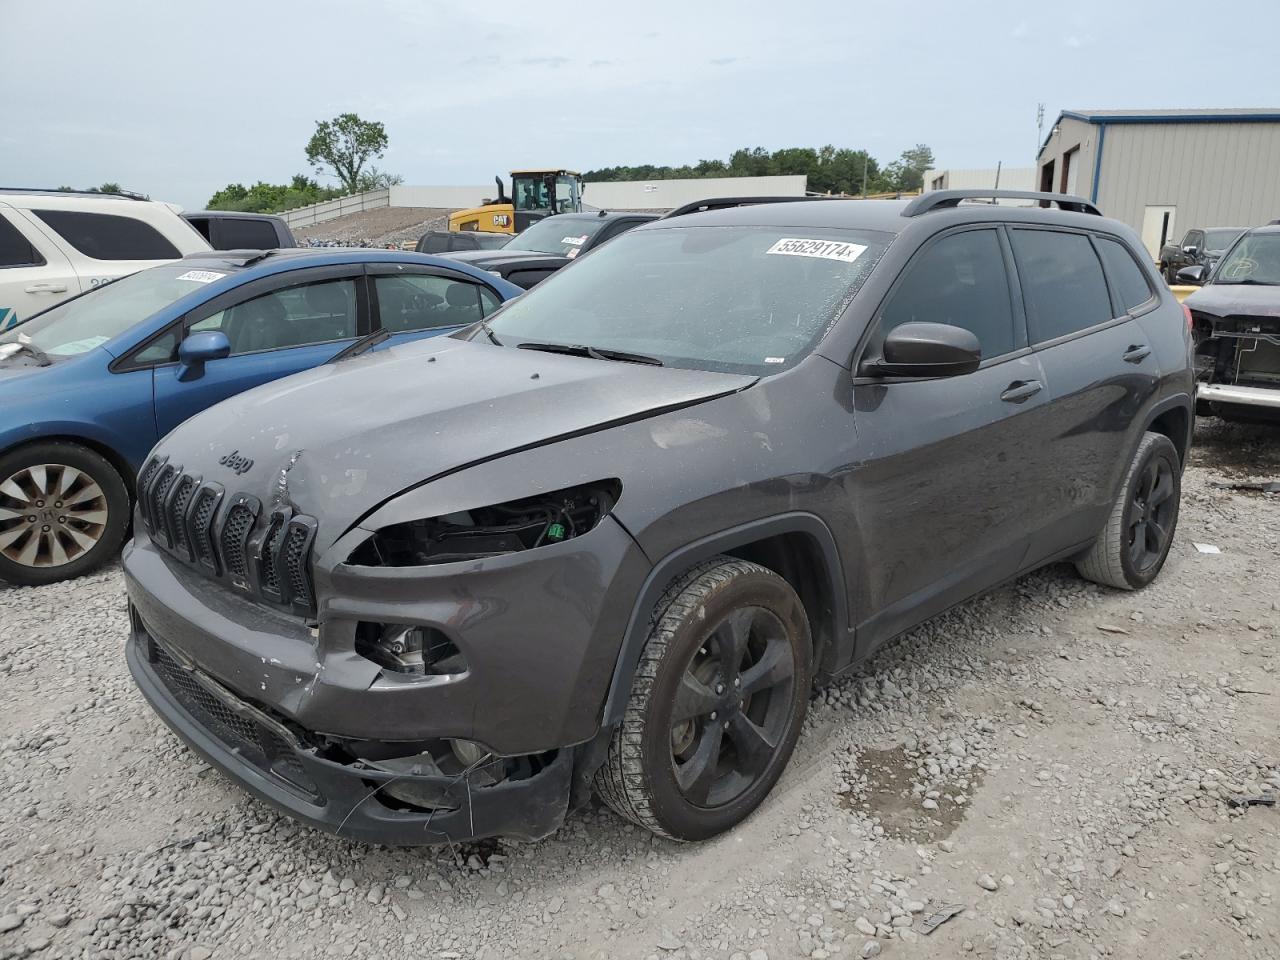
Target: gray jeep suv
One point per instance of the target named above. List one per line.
(609, 538)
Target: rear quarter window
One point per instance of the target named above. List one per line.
(236, 234)
(1126, 276)
(15, 249)
(108, 236)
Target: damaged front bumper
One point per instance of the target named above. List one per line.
(273, 760)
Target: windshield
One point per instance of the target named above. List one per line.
(1255, 259)
(1219, 239)
(88, 321)
(735, 299)
(564, 238)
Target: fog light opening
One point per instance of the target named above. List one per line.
(409, 649)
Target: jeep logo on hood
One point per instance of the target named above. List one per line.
(238, 464)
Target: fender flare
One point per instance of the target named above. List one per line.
(682, 559)
(1188, 404)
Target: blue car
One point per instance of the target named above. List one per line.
(88, 387)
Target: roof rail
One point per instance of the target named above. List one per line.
(121, 195)
(723, 203)
(936, 199)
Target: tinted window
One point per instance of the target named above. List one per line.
(960, 281)
(1130, 283)
(202, 226)
(106, 236)
(1219, 239)
(529, 278)
(15, 251)
(420, 302)
(235, 234)
(1062, 282)
(433, 243)
(292, 317)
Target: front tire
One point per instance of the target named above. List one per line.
(1135, 542)
(716, 704)
(64, 511)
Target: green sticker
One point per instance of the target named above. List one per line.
(555, 531)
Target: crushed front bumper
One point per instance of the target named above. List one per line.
(267, 757)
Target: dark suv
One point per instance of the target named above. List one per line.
(610, 537)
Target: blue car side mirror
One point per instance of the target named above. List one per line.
(199, 348)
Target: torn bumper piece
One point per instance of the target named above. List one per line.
(350, 799)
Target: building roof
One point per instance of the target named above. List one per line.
(1196, 115)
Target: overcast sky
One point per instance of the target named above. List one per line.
(177, 99)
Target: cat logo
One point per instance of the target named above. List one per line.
(502, 219)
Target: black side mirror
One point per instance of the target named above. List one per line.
(199, 348)
(926, 350)
(1193, 275)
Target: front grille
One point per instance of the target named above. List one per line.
(239, 729)
(227, 535)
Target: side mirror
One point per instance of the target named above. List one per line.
(926, 350)
(1193, 275)
(1192, 250)
(197, 350)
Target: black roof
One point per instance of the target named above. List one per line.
(606, 215)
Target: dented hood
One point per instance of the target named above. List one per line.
(1229, 299)
(338, 441)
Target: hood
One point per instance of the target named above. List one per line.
(338, 441)
(503, 255)
(1226, 299)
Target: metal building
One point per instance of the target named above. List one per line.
(1164, 172)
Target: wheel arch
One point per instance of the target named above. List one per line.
(1175, 418)
(104, 450)
(799, 547)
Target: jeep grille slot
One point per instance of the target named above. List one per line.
(229, 535)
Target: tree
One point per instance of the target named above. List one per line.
(907, 172)
(272, 197)
(375, 179)
(342, 146)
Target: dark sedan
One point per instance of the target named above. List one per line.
(532, 256)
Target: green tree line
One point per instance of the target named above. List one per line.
(829, 169)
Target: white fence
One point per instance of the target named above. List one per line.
(332, 209)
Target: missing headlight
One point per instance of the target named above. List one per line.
(491, 531)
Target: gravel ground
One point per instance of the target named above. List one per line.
(1057, 759)
(380, 226)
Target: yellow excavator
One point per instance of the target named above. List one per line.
(534, 194)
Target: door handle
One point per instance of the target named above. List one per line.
(1136, 353)
(1021, 390)
(47, 288)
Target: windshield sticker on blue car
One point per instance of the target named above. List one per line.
(202, 276)
(574, 241)
(825, 249)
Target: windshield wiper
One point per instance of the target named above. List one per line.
(595, 353)
(21, 346)
(367, 342)
(488, 332)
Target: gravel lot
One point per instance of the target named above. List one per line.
(1057, 758)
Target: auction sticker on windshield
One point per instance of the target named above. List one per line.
(575, 241)
(202, 276)
(825, 249)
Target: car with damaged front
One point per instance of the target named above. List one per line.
(1235, 320)
(609, 538)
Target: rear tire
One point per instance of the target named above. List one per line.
(1133, 545)
(716, 704)
(64, 511)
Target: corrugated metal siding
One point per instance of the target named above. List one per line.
(1216, 174)
(1070, 133)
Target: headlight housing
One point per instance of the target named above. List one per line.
(492, 531)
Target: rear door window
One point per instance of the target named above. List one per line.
(1063, 287)
(15, 249)
(107, 236)
(423, 302)
(235, 234)
(1127, 278)
(959, 280)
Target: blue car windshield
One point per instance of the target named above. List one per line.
(738, 299)
(83, 323)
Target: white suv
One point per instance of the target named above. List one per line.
(56, 244)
